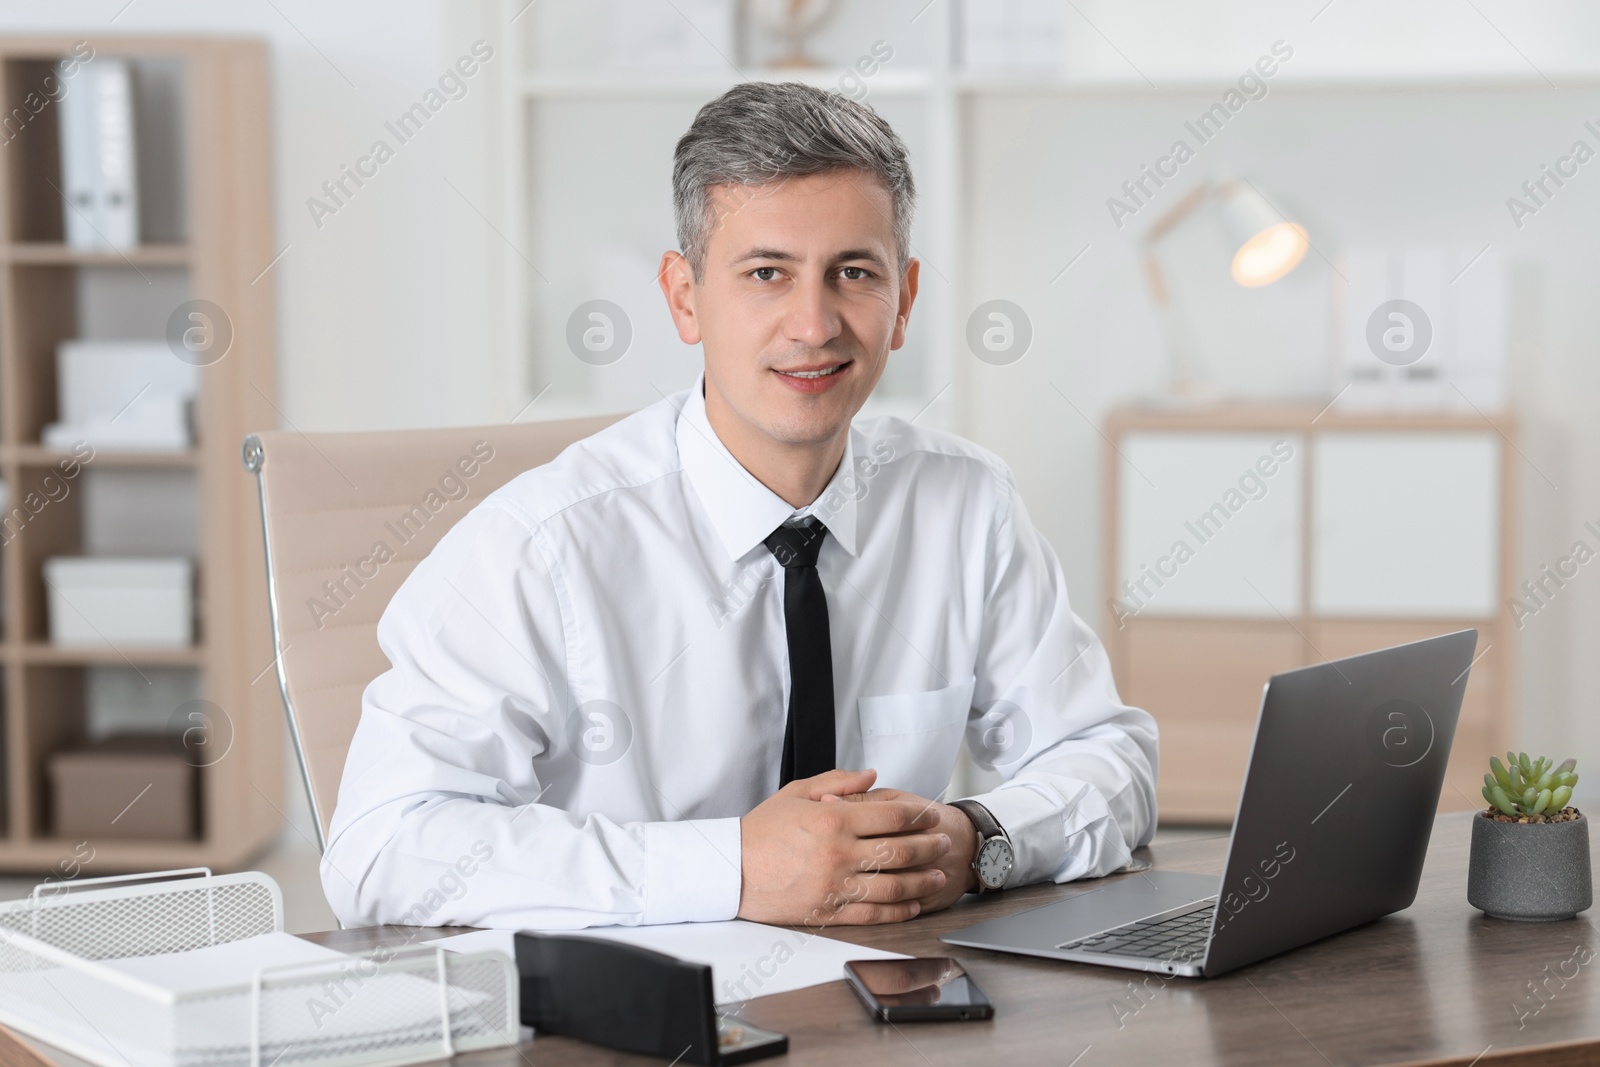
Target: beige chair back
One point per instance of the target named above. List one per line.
(345, 517)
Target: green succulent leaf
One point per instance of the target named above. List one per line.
(1541, 804)
(1501, 775)
(1567, 766)
(1559, 797)
(1498, 798)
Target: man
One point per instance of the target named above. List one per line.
(657, 679)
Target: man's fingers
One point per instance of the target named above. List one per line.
(864, 914)
(892, 887)
(883, 792)
(890, 817)
(836, 783)
(899, 853)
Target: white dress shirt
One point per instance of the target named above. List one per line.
(589, 681)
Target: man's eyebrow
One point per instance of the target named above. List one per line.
(780, 255)
(858, 253)
(768, 253)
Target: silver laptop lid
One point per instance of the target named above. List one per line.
(1339, 797)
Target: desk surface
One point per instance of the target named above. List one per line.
(1435, 984)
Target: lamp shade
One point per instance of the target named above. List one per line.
(1267, 245)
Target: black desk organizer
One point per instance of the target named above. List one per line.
(632, 999)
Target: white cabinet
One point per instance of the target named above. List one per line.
(1406, 524)
(1209, 524)
(1370, 530)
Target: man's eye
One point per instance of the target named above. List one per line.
(855, 274)
(765, 274)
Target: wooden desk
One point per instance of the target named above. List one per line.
(1435, 984)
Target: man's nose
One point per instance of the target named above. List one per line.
(811, 317)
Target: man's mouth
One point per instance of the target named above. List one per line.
(819, 372)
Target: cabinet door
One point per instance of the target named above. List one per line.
(1406, 524)
(1203, 517)
(1202, 681)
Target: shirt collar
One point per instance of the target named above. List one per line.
(742, 510)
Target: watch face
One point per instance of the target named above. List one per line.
(994, 862)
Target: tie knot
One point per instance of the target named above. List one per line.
(797, 545)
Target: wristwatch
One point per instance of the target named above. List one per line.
(994, 858)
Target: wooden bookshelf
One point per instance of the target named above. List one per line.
(152, 255)
(217, 92)
(42, 456)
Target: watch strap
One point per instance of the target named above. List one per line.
(982, 819)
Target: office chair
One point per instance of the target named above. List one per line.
(345, 517)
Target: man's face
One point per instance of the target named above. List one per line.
(799, 305)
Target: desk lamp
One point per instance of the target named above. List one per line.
(1267, 247)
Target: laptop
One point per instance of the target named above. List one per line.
(1333, 823)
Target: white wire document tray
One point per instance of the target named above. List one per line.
(189, 971)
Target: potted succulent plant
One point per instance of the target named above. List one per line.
(1530, 849)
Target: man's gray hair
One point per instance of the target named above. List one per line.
(759, 132)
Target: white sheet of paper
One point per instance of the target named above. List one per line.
(748, 960)
(230, 963)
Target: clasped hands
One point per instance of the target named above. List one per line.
(831, 850)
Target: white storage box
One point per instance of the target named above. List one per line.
(103, 601)
(132, 395)
(91, 967)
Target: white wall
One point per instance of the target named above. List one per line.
(1172, 41)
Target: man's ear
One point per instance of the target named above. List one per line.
(676, 278)
(908, 294)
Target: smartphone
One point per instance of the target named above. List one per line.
(917, 990)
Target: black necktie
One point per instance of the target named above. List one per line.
(808, 746)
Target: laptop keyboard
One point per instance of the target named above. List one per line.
(1180, 936)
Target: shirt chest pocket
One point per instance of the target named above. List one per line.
(912, 739)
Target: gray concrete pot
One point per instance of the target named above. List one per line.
(1533, 872)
